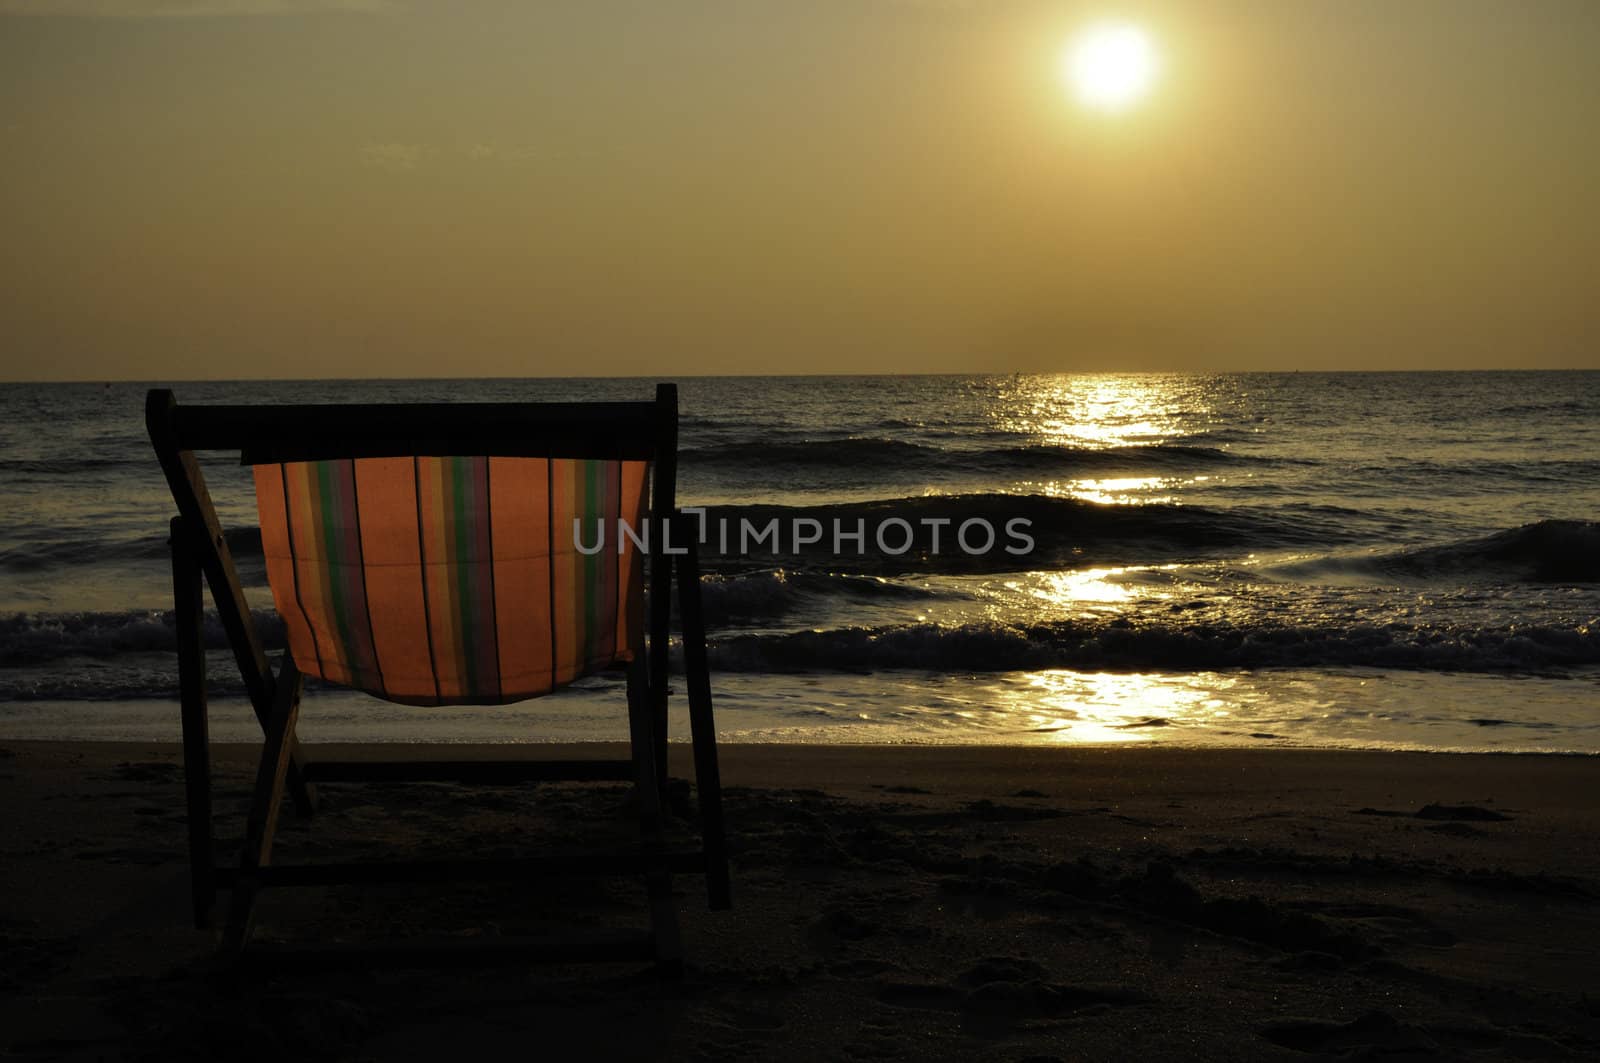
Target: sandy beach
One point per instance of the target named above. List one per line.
(890, 903)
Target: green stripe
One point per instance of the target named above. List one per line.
(328, 498)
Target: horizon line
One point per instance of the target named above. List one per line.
(155, 380)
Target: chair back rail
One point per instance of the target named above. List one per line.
(279, 433)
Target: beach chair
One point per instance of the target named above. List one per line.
(426, 554)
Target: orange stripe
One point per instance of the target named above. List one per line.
(311, 569)
(280, 570)
(566, 618)
(392, 559)
(517, 488)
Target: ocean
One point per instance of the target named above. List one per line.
(1366, 560)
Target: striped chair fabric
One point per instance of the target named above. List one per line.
(453, 580)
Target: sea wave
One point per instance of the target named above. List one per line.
(1123, 646)
(1573, 405)
(866, 452)
(1478, 476)
(760, 595)
(39, 638)
(111, 464)
(1064, 532)
(36, 638)
(1548, 551)
(130, 655)
(60, 551)
(121, 682)
(39, 553)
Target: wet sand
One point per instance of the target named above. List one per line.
(890, 903)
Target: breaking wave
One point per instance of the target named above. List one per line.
(1114, 646)
(38, 638)
(1549, 551)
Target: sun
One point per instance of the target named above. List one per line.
(1110, 66)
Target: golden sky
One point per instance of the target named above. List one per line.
(294, 188)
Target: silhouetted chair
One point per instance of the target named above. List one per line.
(426, 554)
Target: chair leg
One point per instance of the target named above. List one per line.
(658, 881)
(262, 825)
(188, 611)
(660, 639)
(301, 790)
(703, 731)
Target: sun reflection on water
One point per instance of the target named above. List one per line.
(1116, 490)
(1102, 411)
(1088, 593)
(1100, 707)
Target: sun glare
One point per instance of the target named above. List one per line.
(1110, 66)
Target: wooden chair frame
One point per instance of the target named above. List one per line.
(200, 554)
